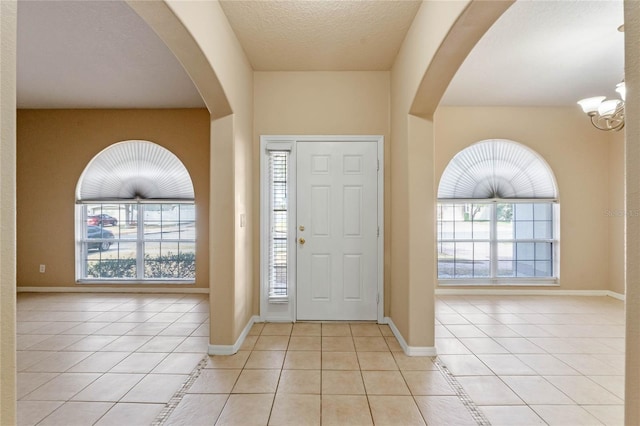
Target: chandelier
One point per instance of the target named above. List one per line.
(606, 114)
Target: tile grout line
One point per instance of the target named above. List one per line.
(170, 406)
(466, 400)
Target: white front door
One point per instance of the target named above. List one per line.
(337, 230)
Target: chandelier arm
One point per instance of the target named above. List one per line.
(608, 123)
(617, 119)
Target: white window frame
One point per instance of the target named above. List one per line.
(493, 280)
(131, 172)
(140, 241)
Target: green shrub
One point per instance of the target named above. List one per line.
(170, 266)
(181, 265)
(112, 268)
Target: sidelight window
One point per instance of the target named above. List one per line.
(278, 216)
(276, 207)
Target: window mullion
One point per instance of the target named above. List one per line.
(84, 245)
(493, 235)
(140, 242)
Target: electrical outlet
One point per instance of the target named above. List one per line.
(42, 269)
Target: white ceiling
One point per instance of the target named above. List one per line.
(544, 53)
(95, 54)
(100, 54)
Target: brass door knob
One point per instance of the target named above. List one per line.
(302, 241)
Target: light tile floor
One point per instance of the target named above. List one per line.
(107, 359)
(121, 359)
(536, 360)
(313, 373)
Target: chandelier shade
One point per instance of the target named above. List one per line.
(590, 105)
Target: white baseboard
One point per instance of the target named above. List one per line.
(409, 350)
(615, 295)
(274, 318)
(529, 292)
(232, 349)
(93, 289)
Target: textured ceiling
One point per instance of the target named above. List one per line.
(321, 35)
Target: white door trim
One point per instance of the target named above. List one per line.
(285, 310)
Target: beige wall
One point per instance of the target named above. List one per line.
(8, 11)
(54, 147)
(231, 296)
(578, 155)
(632, 179)
(412, 181)
(222, 233)
(318, 103)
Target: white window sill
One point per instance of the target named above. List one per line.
(509, 282)
(142, 282)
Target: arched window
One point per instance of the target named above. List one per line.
(135, 216)
(497, 216)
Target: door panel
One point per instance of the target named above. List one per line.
(321, 208)
(352, 276)
(320, 277)
(337, 208)
(352, 211)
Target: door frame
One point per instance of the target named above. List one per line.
(284, 309)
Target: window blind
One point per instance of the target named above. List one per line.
(497, 168)
(135, 170)
(278, 253)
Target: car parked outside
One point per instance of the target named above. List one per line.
(102, 219)
(98, 232)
